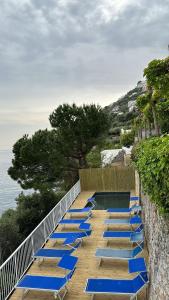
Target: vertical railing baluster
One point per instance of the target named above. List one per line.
(16, 268)
(32, 243)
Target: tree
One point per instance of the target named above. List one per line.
(52, 157)
(78, 129)
(9, 234)
(145, 108)
(38, 161)
(94, 158)
(157, 75)
(31, 209)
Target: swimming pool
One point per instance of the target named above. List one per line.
(105, 200)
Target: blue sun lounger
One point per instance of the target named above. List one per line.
(134, 236)
(129, 221)
(51, 284)
(70, 237)
(133, 209)
(122, 234)
(48, 283)
(72, 221)
(118, 254)
(79, 211)
(46, 253)
(122, 287)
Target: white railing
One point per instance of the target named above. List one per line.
(20, 260)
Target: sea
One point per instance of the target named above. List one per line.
(9, 189)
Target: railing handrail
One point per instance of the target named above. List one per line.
(16, 250)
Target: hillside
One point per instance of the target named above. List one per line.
(123, 111)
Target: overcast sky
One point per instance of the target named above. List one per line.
(55, 51)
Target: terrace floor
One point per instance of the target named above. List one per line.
(87, 265)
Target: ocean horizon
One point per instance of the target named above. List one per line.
(9, 189)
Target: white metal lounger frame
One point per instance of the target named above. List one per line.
(132, 297)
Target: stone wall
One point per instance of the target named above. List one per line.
(157, 238)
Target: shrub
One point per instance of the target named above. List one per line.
(151, 158)
(94, 158)
(127, 139)
(9, 234)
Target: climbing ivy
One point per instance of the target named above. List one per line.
(151, 158)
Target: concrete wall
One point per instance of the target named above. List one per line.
(157, 237)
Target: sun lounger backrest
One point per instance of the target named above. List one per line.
(138, 283)
(139, 228)
(138, 249)
(68, 262)
(135, 220)
(144, 276)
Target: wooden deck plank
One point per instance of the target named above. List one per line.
(87, 266)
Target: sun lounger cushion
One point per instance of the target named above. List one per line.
(80, 210)
(84, 226)
(72, 221)
(129, 221)
(65, 235)
(52, 253)
(46, 283)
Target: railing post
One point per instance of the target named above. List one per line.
(16, 268)
(54, 220)
(32, 242)
(44, 231)
(60, 210)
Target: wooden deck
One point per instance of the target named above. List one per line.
(87, 265)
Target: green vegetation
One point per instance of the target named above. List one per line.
(151, 158)
(16, 224)
(49, 158)
(94, 158)
(127, 139)
(153, 107)
(9, 234)
(119, 112)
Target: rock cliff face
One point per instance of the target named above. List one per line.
(123, 110)
(157, 237)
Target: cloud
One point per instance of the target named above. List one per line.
(59, 51)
